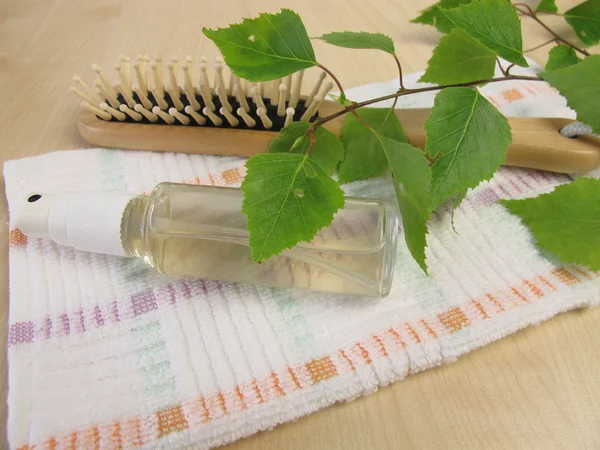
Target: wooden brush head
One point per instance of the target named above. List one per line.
(238, 118)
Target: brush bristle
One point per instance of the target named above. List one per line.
(150, 91)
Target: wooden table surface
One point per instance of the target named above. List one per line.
(537, 389)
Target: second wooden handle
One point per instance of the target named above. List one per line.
(536, 141)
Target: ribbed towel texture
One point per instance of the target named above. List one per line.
(104, 353)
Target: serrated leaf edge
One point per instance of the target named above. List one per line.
(443, 11)
(529, 223)
(367, 33)
(305, 159)
(207, 31)
(428, 212)
(485, 177)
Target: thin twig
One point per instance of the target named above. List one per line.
(339, 85)
(362, 120)
(530, 13)
(558, 38)
(507, 72)
(333, 77)
(402, 93)
(500, 67)
(312, 139)
(524, 5)
(399, 72)
(541, 45)
(549, 13)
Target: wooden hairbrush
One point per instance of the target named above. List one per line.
(239, 118)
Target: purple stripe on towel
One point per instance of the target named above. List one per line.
(20, 333)
(144, 302)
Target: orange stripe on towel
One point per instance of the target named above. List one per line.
(128, 432)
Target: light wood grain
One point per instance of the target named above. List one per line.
(538, 389)
(536, 143)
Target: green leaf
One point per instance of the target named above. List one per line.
(370, 152)
(459, 58)
(495, 24)
(560, 57)
(585, 21)
(469, 135)
(268, 47)
(341, 99)
(547, 6)
(429, 16)
(288, 198)
(566, 221)
(411, 176)
(360, 39)
(433, 15)
(364, 156)
(457, 199)
(327, 151)
(580, 85)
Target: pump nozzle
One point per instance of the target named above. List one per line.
(88, 221)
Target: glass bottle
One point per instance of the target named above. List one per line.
(200, 231)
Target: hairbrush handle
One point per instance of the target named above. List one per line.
(536, 144)
(536, 141)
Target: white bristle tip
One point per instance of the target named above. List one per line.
(290, 111)
(96, 68)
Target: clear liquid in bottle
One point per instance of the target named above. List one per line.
(200, 231)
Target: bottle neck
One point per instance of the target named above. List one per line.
(134, 225)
